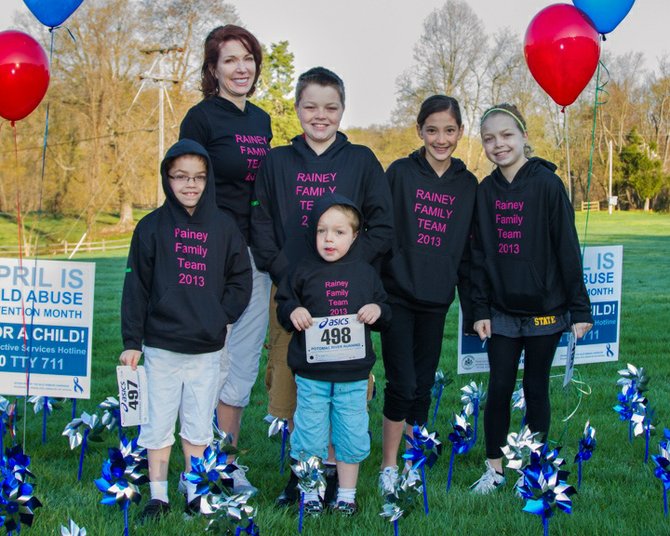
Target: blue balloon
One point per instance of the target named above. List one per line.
(605, 14)
(52, 13)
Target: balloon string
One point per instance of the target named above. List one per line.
(19, 227)
(600, 88)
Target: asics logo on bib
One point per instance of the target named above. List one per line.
(330, 322)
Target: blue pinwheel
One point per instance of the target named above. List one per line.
(631, 402)
(111, 415)
(662, 472)
(121, 477)
(401, 500)
(544, 492)
(72, 529)
(310, 479)
(461, 440)
(423, 449)
(587, 445)
(633, 377)
(276, 427)
(228, 513)
(17, 503)
(441, 381)
(211, 473)
(472, 399)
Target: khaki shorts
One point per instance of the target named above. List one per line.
(279, 380)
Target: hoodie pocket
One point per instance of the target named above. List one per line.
(517, 285)
(186, 314)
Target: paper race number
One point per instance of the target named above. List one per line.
(133, 405)
(335, 338)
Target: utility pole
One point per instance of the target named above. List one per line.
(156, 75)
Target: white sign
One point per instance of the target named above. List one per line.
(335, 338)
(46, 325)
(602, 276)
(132, 395)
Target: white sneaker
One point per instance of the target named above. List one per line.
(240, 482)
(489, 481)
(388, 477)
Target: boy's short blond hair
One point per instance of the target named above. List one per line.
(351, 213)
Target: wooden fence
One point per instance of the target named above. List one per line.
(66, 248)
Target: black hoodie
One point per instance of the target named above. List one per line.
(187, 276)
(313, 285)
(293, 177)
(237, 142)
(431, 250)
(526, 259)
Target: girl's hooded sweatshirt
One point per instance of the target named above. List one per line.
(526, 259)
(431, 249)
(188, 276)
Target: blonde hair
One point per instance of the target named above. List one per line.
(513, 111)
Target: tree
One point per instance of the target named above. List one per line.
(454, 56)
(641, 167)
(275, 92)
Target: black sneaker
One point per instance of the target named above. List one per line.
(154, 510)
(330, 496)
(290, 494)
(193, 507)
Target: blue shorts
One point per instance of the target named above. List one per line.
(335, 411)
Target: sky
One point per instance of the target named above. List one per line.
(369, 43)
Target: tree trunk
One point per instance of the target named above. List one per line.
(646, 204)
(126, 214)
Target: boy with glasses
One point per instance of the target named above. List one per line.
(188, 277)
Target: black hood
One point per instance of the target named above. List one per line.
(533, 166)
(207, 201)
(299, 143)
(419, 158)
(322, 205)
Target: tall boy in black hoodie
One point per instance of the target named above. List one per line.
(332, 390)
(292, 178)
(188, 277)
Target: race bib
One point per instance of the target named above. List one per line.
(133, 404)
(570, 357)
(335, 338)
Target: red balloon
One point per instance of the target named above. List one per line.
(24, 74)
(562, 50)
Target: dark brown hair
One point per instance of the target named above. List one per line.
(322, 77)
(217, 37)
(439, 103)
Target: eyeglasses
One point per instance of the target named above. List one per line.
(185, 179)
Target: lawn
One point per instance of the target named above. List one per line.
(619, 493)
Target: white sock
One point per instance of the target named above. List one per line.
(159, 490)
(190, 489)
(312, 496)
(347, 495)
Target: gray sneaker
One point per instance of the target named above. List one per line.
(489, 481)
(388, 477)
(240, 482)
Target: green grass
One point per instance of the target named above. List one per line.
(619, 494)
